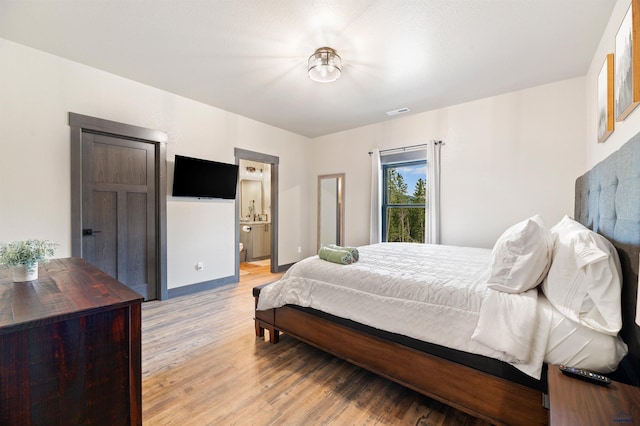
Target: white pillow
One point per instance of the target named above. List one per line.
(584, 281)
(521, 256)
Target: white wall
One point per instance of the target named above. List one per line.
(37, 90)
(624, 130)
(506, 158)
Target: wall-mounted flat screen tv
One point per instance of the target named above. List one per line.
(194, 177)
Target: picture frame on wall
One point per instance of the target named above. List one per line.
(627, 64)
(606, 120)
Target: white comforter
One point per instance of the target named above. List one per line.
(429, 292)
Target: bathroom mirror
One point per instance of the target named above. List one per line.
(250, 195)
(330, 209)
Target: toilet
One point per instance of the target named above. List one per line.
(243, 253)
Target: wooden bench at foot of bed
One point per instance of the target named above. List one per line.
(488, 397)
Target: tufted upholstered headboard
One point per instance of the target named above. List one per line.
(608, 201)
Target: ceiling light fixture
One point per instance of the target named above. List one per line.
(325, 65)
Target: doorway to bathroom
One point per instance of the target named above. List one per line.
(256, 212)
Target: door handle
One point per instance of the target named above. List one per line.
(88, 232)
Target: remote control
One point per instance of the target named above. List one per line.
(587, 375)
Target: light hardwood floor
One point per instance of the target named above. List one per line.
(203, 365)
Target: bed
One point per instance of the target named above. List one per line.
(493, 383)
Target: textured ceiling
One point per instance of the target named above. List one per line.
(249, 56)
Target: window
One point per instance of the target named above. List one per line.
(404, 201)
(402, 208)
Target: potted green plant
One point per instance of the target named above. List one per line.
(24, 256)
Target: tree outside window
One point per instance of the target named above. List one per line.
(404, 202)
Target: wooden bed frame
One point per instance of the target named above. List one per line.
(486, 396)
(469, 390)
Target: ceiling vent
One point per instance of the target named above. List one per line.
(397, 111)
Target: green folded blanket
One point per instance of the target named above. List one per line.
(343, 257)
(352, 250)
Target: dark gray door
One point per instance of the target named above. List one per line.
(119, 210)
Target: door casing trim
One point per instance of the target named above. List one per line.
(82, 123)
(274, 161)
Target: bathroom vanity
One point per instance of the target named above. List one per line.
(255, 237)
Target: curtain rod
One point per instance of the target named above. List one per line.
(404, 148)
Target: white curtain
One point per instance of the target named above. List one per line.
(432, 228)
(375, 230)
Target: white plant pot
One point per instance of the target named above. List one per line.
(22, 273)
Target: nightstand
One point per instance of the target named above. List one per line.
(576, 402)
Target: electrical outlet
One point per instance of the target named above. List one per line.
(199, 266)
(299, 249)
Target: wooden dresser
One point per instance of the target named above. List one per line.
(70, 349)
